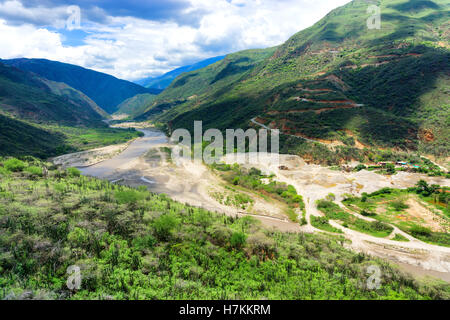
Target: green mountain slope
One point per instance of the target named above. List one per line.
(43, 118)
(75, 97)
(338, 82)
(21, 138)
(135, 105)
(166, 79)
(191, 89)
(107, 91)
(26, 96)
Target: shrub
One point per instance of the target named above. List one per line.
(220, 234)
(390, 168)
(78, 237)
(128, 196)
(331, 197)
(164, 226)
(381, 192)
(238, 239)
(14, 165)
(398, 205)
(303, 222)
(322, 223)
(260, 244)
(3, 171)
(420, 231)
(367, 213)
(73, 172)
(144, 242)
(37, 171)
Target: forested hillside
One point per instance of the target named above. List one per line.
(44, 118)
(337, 82)
(27, 96)
(107, 91)
(187, 90)
(136, 105)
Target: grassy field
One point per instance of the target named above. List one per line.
(80, 139)
(333, 212)
(132, 244)
(21, 138)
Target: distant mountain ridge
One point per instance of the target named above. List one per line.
(27, 96)
(163, 81)
(44, 118)
(105, 90)
(135, 105)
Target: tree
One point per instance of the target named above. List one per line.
(390, 168)
(423, 188)
(238, 239)
(164, 226)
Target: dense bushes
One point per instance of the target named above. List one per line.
(14, 165)
(323, 224)
(155, 248)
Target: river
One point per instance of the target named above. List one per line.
(135, 150)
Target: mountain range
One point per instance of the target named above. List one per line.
(25, 95)
(338, 82)
(163, 81)
(43, 118)
(105, 90)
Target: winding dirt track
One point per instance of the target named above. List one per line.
(315, 183)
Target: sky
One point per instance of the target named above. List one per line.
(135, 39)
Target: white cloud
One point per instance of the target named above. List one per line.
(132, 48)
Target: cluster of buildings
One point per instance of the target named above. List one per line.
(401, 164)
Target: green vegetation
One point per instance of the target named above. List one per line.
(47, 140)
(232, 197)
(399, 237)
(79, 139)
(333, 212)
(43, 118)
(107, 91)
(28, 97)
(132, 244)
(134, 106)
(252, 179)
(323, 223)
(390, 203)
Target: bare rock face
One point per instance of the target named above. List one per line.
(426, 135)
